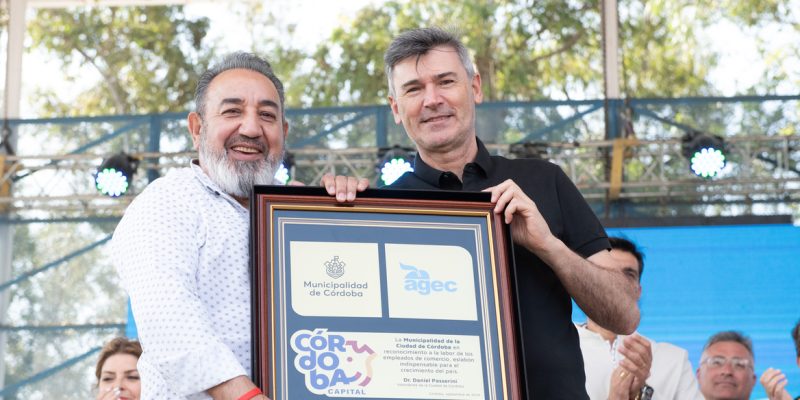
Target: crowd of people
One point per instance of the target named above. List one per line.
(620, 367)
(183, 255)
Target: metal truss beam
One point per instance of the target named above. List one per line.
(761, 169)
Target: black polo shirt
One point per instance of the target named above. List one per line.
(551, 352)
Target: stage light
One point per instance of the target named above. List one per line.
(706, 153)
(394, 162)
(285, 170)
(113, 177)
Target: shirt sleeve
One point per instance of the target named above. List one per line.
(585, 234)
(687, 382)
(157, 247)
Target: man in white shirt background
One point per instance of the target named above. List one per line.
(633, 367)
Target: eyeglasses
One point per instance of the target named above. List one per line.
(738, 364)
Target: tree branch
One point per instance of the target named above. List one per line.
(571, 41)
(110, 80)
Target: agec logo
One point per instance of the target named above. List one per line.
(418, 280)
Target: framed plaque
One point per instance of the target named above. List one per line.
(399, 295)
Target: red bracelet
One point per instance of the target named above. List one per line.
(249, 395)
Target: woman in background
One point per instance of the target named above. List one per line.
(117, 376)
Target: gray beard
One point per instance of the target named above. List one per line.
(234, 177)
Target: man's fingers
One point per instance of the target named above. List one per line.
(770, 377)
(503, 194)
(639, 370)
(341, 188)
(638, 349)
(780, 387)
(774, 382)
(352, 186)
(328, 181)
(345, 188)
(511, 208)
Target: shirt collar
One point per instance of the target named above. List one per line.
(206, 181)
(431, 175)
(483, 159)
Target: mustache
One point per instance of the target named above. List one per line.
(428, 115)
(247, 141)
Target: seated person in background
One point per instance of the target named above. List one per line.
(774, 381)
(117, 376)
(727, 367)
(633, 367)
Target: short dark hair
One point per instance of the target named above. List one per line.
(118, 345)
(418, 42)
(237, 60)
(627, 246)
(731, 336)
(796, 337)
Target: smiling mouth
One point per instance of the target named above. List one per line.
(436, 118)
(246, 149)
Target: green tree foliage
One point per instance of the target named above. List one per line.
(148, 58)
(527, 50)
(272, 38)
(82, 290)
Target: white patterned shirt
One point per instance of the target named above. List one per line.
(183, 256)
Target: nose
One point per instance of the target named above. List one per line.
(726, 369)
(249, 126)
(118, 383)
(432, 98)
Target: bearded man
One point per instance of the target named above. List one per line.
(182, 247)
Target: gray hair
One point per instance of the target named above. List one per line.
(237, 60)
(731, 336)
(418, 42)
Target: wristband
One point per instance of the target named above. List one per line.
(645, 394)
(249, 395)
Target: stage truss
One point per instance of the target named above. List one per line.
(760, 169)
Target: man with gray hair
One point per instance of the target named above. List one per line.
(726, 370)
(182, 249)
(560, 244)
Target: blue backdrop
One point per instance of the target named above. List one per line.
(700, 280)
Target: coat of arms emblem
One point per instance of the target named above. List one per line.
(335, 267)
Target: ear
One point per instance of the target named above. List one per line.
(285, 130)
(195, 125)
(477, 93)
(395, 112)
